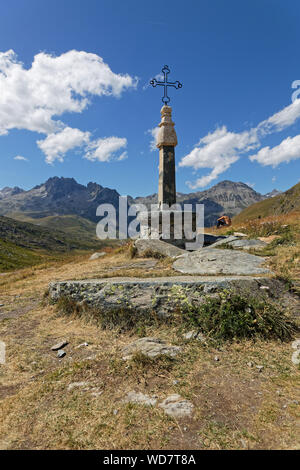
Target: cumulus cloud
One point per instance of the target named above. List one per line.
(56, 145)
(31, 98)
(218, 150)
(154, 133)
(287, 150)
(104, 150)
(21, 158)
(281, 120)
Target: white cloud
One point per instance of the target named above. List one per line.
(218, 150)
(55, 146)
(159, 77)
(104, 150)
(279, 121)
(21, 158)
(154, 133)
(287, 150)
(31, 98)
(274, 179)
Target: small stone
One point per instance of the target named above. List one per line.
(193, 334)
(115, 412)
(250, 364)
(185, 428)
(264, 287)
(1, 305)
(296, 357)
(77, 385)
(140, 398)
(176, 406)
(60, 345)
(296, 344)
(81, 345)
(175, 382)
(151, 347)
(97, 255)
(244, 443)
(190, 334)
(61, 353)
(216, 358)
(259, 368)
(97, 394)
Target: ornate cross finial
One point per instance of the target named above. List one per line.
(165, 84)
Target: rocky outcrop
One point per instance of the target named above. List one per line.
(159, 295)
(215, 261)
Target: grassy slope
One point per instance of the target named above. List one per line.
(75, 227)
(281, 204)
(24, 244)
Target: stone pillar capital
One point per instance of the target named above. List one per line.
(166, 134)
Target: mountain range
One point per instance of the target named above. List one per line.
(61, 197)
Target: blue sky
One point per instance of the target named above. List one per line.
(91, 119)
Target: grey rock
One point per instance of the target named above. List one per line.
(247, 244)
(240, 234)
(175, 405)
(59, 345)
(97, 255)
(250, 364)
(215, 261)
(216, 358)
(82, 345)
(1, 305)
(296, 344)
(151, 347)
(193, 334)
(73, 385)
(296, 357)
(260, 368)
(61, 353)
(158, 246)
(140, 398)
(163, 295)
(224, 241)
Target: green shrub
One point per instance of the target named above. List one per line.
(230, 316)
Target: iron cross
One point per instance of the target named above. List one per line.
(165, 84)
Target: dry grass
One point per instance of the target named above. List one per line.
(235, 406)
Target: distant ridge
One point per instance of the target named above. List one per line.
(66, 197)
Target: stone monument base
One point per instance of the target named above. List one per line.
(175, 227)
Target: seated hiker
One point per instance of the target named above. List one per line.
(224, 220)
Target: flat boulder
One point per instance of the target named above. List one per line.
(157, 247)
(215, 261)
(150, 347)
(247, 244)
(224, 241)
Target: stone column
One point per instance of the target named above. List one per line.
(166, 142)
